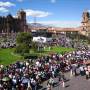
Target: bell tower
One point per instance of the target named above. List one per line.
(22, 17)
(85, 16)
(86, 22)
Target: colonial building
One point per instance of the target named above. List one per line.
(18, 23)
(10, 24)
(86, 23)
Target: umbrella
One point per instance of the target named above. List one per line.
(6, 79)
(25, 80)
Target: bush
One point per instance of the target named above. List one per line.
(30, 56)
(35, 46)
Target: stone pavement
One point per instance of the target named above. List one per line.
(72, 83)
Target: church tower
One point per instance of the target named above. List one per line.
(22, 17)
(86, 22)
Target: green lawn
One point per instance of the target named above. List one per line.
(58, 49)
(7, 57)
(54, 49)
(62, 49)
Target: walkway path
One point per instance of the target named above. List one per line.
(73, 83)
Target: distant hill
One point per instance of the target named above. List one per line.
(38, 25)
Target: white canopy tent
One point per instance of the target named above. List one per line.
(40, 39)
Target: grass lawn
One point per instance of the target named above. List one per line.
(54, 49)
(7, 57)
(58, 49)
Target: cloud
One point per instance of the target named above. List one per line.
(37, 13)
(53, 1)
(6, 4)
(3, 10)
(61, 23)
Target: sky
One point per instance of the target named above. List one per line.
(60, 13)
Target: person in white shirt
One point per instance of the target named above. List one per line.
(82, 71)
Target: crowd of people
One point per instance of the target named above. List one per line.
(29, 74)
(61, 40)
(25, 76)
(8, 41)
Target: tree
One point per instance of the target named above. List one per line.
(22, 49)
(35, 46)
(24, 40)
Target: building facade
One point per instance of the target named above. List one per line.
(86, 22)
(11, 24)
(18, 23)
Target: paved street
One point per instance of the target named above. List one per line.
(73, 83)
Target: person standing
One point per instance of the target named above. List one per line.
(29, 86)
(62, 79)
(51, 81)
(63, 83)
(82, 71)
(48, 86)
